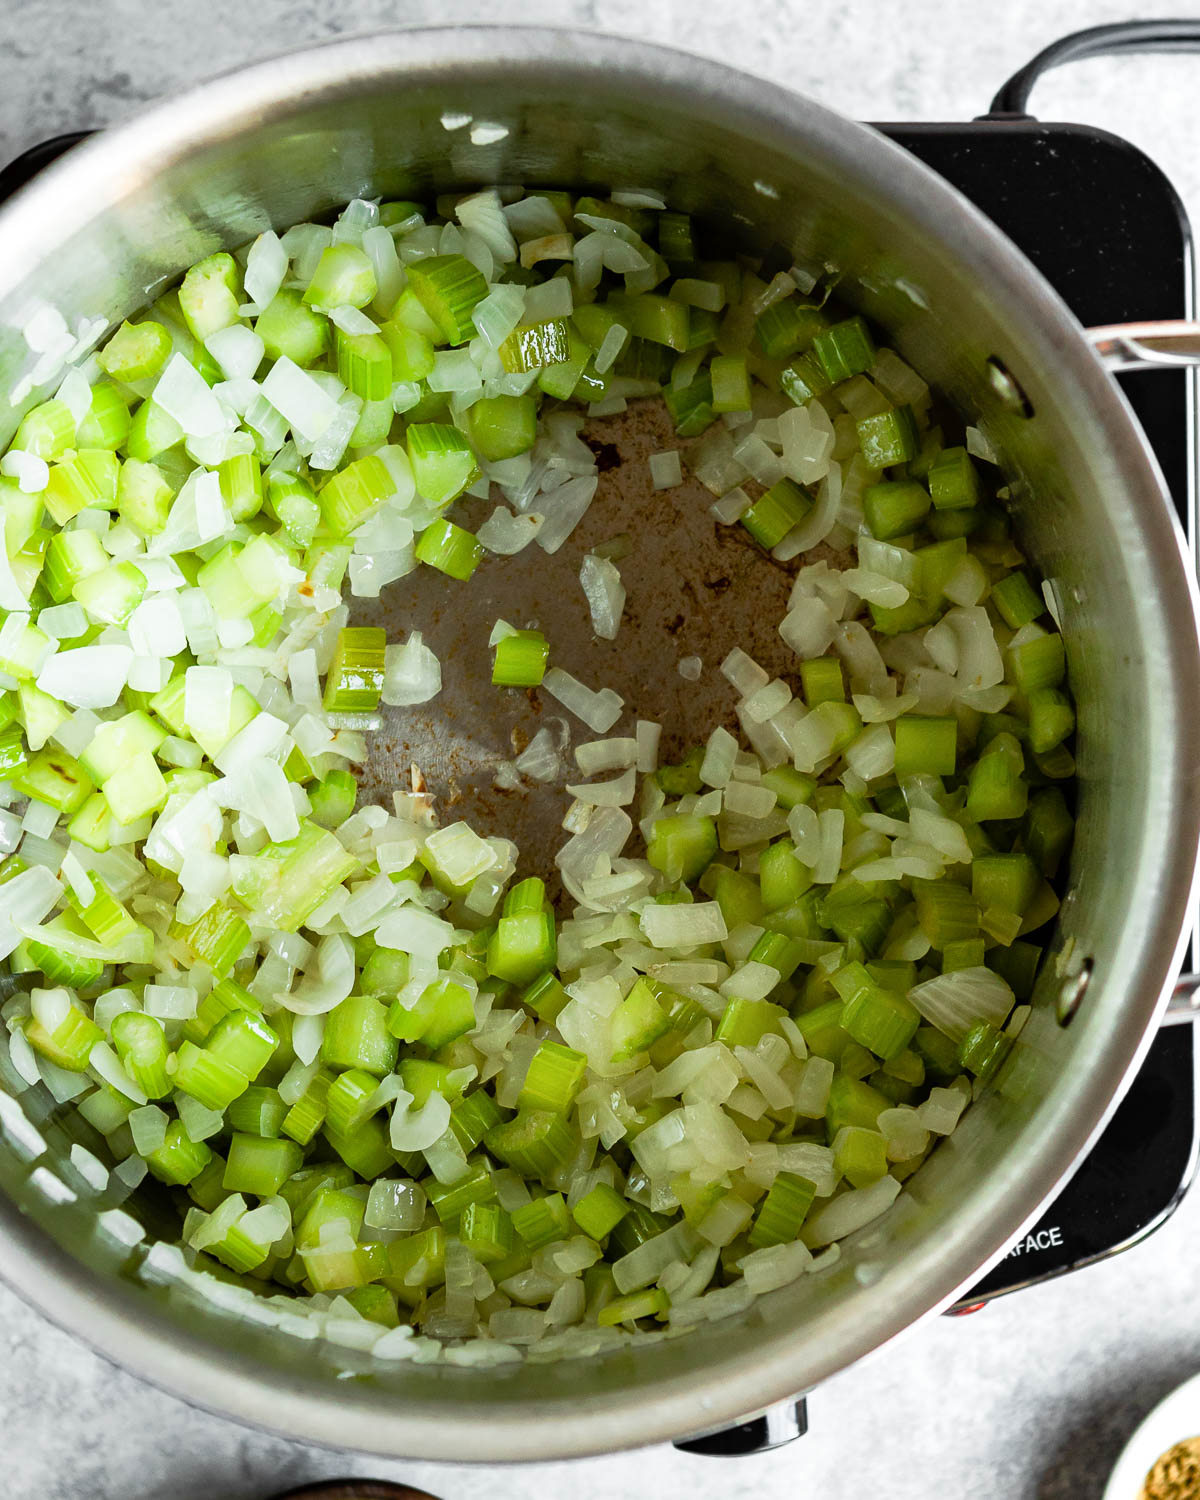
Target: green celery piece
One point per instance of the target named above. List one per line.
(502, 427)
(289, 328)
(344, 277)
(443, 463)
(299, 874)
(137, 351)
(448, 288)
(682, 845)
(355, 678)
(208, 297)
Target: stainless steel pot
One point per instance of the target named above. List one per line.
(284, 140)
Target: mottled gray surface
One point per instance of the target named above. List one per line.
(1031, 1398)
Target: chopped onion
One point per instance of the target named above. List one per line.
(957, 1001)
(605, 594)
(183, 394)
(412, 673)
(87, 677)
(506, 534)
(598, 710)
(850, 1212)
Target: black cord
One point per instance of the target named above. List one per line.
(1120, 37)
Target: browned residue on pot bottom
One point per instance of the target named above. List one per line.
(695, 588)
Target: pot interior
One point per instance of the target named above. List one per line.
(283, 142)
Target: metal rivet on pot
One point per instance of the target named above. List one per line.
(1008, 387)
(1071, 993)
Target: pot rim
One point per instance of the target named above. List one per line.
(116, 1318)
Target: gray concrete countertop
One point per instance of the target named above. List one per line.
(1032, 1397)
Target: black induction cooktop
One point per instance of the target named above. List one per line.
(1104, 225)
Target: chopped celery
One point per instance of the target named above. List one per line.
(421, 1107)
(520, 659)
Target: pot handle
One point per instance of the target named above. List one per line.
(1120, 38)
(19, 171)
(1169, 344)
(1184, 1004)
(775, 1427)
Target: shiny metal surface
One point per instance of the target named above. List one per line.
(1170, 344)
(1183, 1006)
(776, 1427)
(280, 141)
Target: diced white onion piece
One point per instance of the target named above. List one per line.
(605, 594)
(564, 508)
(979, 447)
(352, 319)
(182, 393)
(307, 1034)
(819, 521)
(483, 212)
(809, 627)
(758, 459)
(148, 1126)
(851, 1211)
(651, 1258)
(748, 800)
(615, 793)
(412, 673)
(90, 1168)
(327, 980)
(31, 472)
(259, 787)
(541, 759)
(87, 677)
(597, 756)
(506, 534)
(743, 672)
(979, 662)
(942, 833)
(598, 710)
(308, 409)
(417, 1129)
(684, 926)
(940, 1112)
(414, 931)
(765, 702)
(768, 1269)
(171, 1002)
(957, 1001)
(460, 853)
(904, 1133)
(666, 469)
(266, 266)
(832, 823)
(873, 710)
(806, 434)
(263, 736)
(603, 837)
(237, 349)
(156, 627)
(498, 313)
(731, 506)
(873, 753)
(647, 734)
(104, 1061)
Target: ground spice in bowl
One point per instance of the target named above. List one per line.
(1175, 1475)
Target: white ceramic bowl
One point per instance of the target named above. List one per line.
(1175, 1419)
